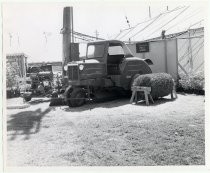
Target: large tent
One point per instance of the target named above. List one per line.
(171, 21)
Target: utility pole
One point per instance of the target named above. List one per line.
(45, 36)
(18, 39)
(190, 53)
(10, 39)
(167, 8)
(97, 34)
(149, 12)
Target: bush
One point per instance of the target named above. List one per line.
(192, 83)
(12, 74)
(161, 83)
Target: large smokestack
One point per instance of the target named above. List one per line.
(67, 32)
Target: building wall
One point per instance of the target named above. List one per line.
(21, 60)
(56, 66)
(163, 54)
(172, 57)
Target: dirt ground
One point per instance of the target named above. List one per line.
(169, 132)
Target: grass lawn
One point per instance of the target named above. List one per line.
(170, 132)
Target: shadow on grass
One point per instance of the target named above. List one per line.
(105, 103)
(39, 100)
(26, 123)
(182, 93)
(113, 103)
(156, 102)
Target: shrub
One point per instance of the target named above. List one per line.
(192, 83)
(12, 74)
(161, 83)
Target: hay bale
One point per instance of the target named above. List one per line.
(161, 83)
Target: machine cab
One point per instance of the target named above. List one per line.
(111, 53)
(115, 56)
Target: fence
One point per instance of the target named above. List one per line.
(191, 55)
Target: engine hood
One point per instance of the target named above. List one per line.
(88, 61)
(148, 61)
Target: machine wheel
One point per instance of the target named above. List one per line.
(54, 94)
(27, 98)
(76, 98)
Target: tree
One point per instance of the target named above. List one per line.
(13, 74)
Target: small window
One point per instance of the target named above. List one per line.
(95, 51)
(91, 50)
(116, 50)
(82, 50)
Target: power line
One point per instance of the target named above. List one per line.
(132, 28)
(170, 36)
(177, 8)
(183, 20)
(89, 36)
(125, 34)
(168, 12)
(170, 20)
(196, 23)
(79, 34)
(147, 25)
(118, 35)
(82, 38)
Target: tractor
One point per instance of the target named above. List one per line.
(41, 74)
(37, 76)
(109, 66)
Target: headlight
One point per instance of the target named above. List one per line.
(81, 67)
(65, 67)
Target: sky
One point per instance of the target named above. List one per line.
(34, 28)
